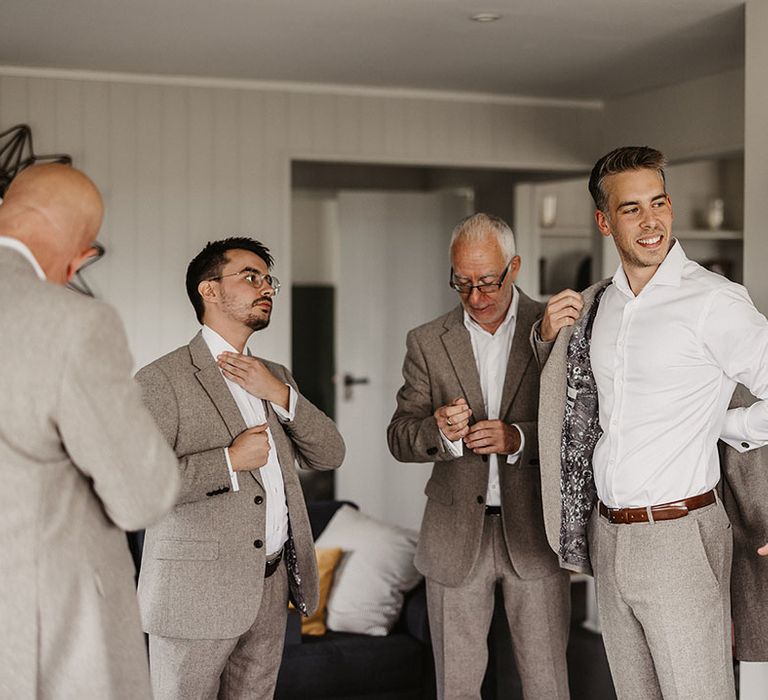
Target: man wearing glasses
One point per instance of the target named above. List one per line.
(81, 459)
(469, 404)
(218, 571)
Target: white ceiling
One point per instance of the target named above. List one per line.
(544, 48)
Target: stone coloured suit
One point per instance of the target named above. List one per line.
(438, 368)
(80, 460)
(202, 570)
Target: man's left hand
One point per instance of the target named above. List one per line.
(253, 375)
(493, 437)
(763, 551)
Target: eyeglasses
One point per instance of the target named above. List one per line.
(483, 288)
(255, 279)
(78, 283)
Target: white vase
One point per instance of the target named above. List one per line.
(715, 214)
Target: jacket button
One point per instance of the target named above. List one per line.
(745, 444)
(258, 544)
(258, 500)
(480, 499)
(431, 451)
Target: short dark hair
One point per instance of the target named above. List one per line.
(208, 262)
(620, 160)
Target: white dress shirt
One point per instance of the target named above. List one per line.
(666, 363)
(491, 351)
(252, 411)
(18, 246)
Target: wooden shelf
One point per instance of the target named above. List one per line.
(567, 232)
(707, 235)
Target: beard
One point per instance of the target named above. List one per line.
(245, 314)
(256, 323)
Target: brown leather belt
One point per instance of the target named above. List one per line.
(663, 511)
(271, 566)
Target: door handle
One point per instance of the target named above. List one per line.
(350, 381)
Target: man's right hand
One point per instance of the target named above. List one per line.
(563, 309)
(250, 449)
(453, 419)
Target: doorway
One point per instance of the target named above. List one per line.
(370, 262)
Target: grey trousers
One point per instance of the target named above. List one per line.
(225, 669)
(538, 614)
(663, 597)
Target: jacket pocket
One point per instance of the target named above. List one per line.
(439, 491)
(187, 550)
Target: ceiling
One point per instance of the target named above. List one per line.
(572, 49)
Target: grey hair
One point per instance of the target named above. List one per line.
(479, 227)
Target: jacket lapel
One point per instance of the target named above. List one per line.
(520, 353)
(212, 381)
(459, 348)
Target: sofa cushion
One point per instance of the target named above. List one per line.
(375, 571)
(327, 561)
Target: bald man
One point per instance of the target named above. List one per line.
(80, 457)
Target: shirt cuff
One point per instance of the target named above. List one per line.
(455, 448)
(287, 416)
(512, 459)
(744, 429)
(232, 472)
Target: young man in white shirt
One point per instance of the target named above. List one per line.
(218, 571)
(650, 360)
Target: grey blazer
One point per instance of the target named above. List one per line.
(440, 366)
(80, 461)
(202, 571)
(743, 487)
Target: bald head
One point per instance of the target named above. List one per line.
(56, 211)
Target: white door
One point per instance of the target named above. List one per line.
(393, 277)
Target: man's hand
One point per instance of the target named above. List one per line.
(453, 419)
(563, 309)
(250, 449)
(493, 437)
(763, 551)
(254, 377)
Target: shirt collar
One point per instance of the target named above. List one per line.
(669, 273)
(216, 344)
(19, 247)
(473, 326)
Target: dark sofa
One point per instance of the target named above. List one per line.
(347, 666)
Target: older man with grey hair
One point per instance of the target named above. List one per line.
(469, 404)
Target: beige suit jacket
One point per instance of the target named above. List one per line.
(80, 461)
(439, 367)
(202, 570)
(744, 490)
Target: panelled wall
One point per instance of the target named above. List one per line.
(181, 163)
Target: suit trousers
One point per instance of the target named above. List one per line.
(663, 597)
(538, 614)
(226, 669)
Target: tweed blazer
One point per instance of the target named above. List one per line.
(202, 571)
(80, 461)
(440, 366)
(743, 488)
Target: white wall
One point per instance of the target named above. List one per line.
(180, 164)
(698, 118)
(315, 237)
(756, 155)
